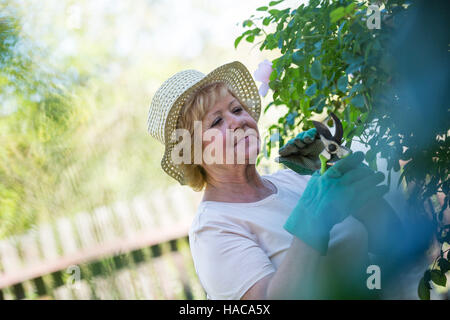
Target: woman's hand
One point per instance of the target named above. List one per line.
(329, 198)
(301, 154)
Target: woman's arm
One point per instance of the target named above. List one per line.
(294, 279)
(304, 274)
(327, 200)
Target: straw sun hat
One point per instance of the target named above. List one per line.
(174, 92)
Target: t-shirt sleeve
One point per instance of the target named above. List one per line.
(227, 259)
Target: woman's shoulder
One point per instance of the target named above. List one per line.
(212, 214)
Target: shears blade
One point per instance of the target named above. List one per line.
(325, 132)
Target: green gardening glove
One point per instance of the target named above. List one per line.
(329, 198)
(301, 154)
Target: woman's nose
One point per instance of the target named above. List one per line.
(236, 122)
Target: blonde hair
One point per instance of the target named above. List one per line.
(194, 110)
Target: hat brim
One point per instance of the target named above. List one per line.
(237, 76)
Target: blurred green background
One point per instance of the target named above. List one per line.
(76, 81)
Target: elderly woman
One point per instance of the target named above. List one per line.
(278, 236)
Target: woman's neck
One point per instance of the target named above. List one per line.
(243, 184)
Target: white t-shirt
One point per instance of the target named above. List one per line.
(236, 244)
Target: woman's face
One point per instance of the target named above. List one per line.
(229, 134)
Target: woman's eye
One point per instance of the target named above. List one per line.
(216, 122)
(237, 109)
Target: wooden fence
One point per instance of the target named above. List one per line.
(136, 250)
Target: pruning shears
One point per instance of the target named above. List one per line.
(333, 150)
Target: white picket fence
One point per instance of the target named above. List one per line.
(162, 216)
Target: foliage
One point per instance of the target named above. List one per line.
(330, 61)
(69, 140)
(35, 120)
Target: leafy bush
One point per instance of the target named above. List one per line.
(391, 94)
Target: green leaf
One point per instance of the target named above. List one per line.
(266, 21)
(318, 103)
(341, 26)
(349, 9)
(332, 76)
(444, 265)
(324, 83)
(371, 158)
(359, 130)
(356, 60)
(279, 67)
(238, 39)
(298, 58)
(316, 70)
(370, 155)
(438, 278)
(352, 68)
(358, 101)
(273, 75)
(295, 95)
(356, 88)
(423, 290)
(247, 23)
(342, 83)
(337, 14)
(311, 90)
(299, 44)
(250, 38)
(264, 8)
(318, 45)
(275, 12)
(290, 118)
(280, 41)
(285, 94)
(272, 3)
